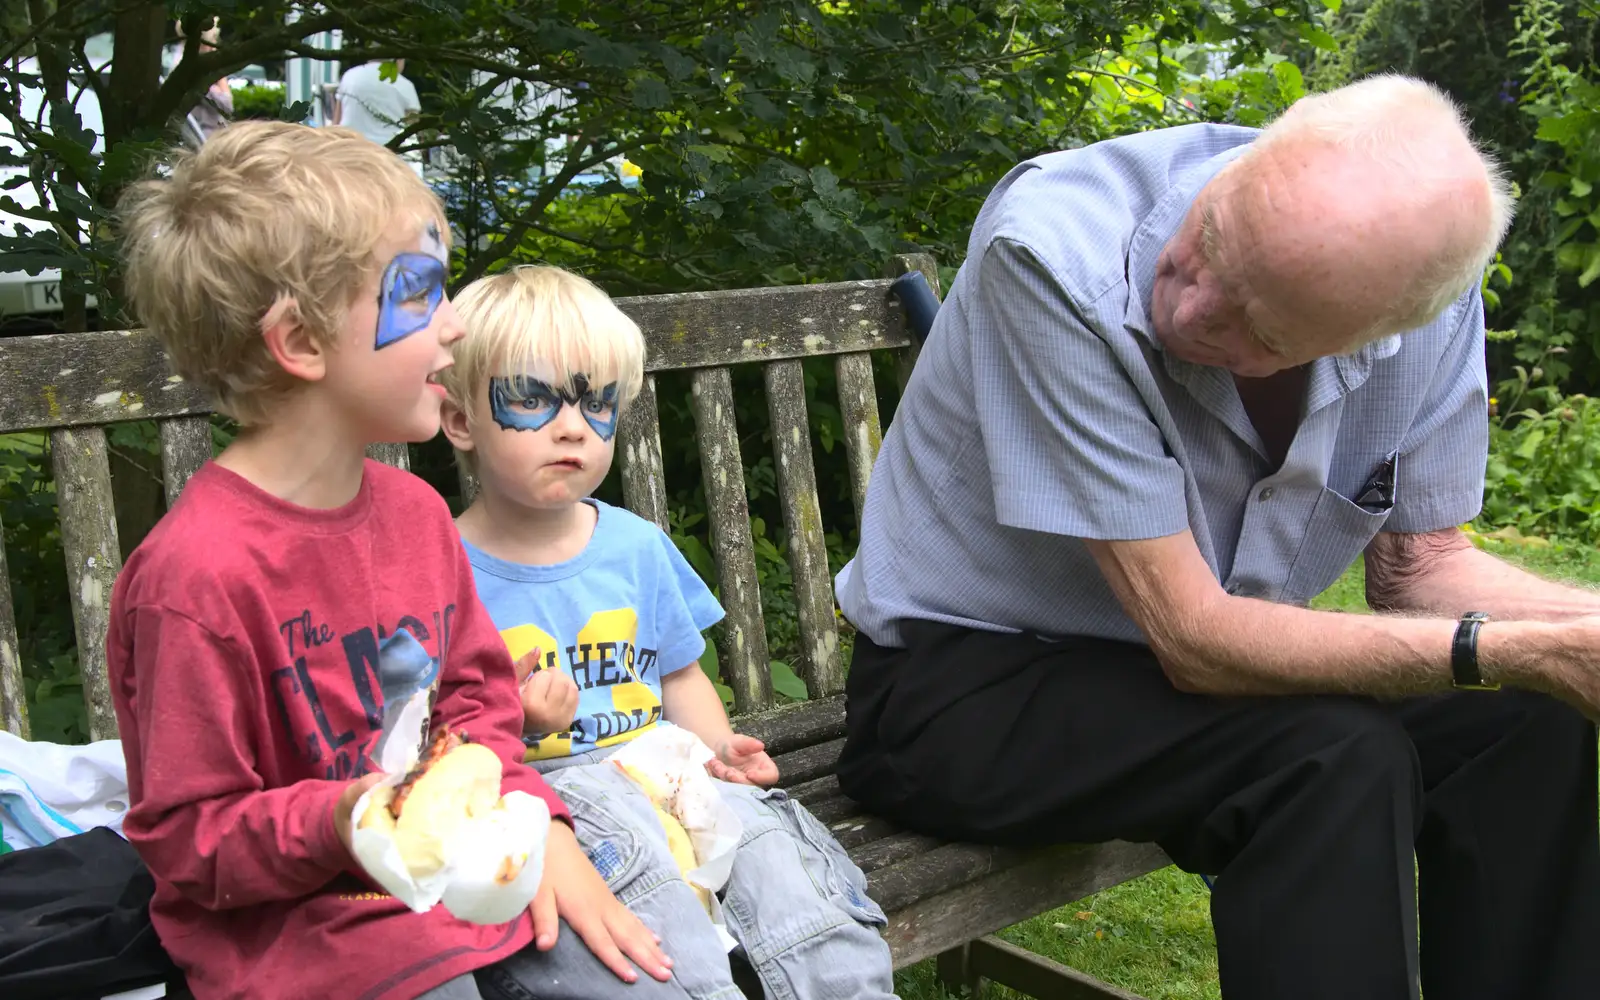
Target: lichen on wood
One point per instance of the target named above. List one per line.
(808, 554)
(82, 471)
(742, 637)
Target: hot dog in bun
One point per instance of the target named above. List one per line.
(455, 781)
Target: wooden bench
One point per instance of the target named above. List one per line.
(944, 899)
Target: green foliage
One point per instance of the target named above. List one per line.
(255, 100)
(1566, 105)
(1543, 476)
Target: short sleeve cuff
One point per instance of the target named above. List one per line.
(680, 655)
(1109, 521)
(1435, 513)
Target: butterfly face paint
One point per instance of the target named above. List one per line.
(522, 403)
(412, 288)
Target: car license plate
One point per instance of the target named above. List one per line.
(44, 296)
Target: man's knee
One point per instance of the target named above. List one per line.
(1552, 719)
(1348, 742)
(1327, 768)
(1510, 731)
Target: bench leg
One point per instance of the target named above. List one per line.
(953, 970)
(1005, 963)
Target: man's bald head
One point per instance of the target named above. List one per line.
(1359, 213)
(1377, 199)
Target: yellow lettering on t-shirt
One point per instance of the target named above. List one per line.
(635, 707)
(609, 660)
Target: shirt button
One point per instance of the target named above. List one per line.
(1265, 494)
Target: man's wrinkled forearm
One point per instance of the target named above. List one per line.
(1442, 573)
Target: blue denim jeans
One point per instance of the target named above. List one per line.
(794, 901)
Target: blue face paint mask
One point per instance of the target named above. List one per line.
(411, 290)
(521, 403)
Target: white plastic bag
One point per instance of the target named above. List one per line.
(674, 760)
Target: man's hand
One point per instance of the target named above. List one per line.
(549, 697)
(573, 891)
(1560, 659)
(1582, 680)
(347, 803)
(743, 760)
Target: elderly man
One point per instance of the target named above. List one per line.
(1183, 379)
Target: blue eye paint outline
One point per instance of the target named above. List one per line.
(408, 275)
(607, 398)
(507, 391)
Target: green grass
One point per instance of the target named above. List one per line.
(1152, 936)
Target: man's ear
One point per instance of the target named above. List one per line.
(291, 344)
(454, 422)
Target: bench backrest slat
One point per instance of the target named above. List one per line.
(644, 488)
(858, 406)
(74, 385)
(397, 455)
(74, 379)
(82, 469)
(13, 695)
(819, 665)
(742, 653)
(702, 329)
(185, 446)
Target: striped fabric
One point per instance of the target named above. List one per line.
(1042, 412)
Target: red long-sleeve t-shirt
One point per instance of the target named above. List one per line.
(248, 666)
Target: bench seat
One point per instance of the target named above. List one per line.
(938, 895)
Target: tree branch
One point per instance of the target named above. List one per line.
(548, 193)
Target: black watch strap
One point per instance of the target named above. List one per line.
(1464, 654)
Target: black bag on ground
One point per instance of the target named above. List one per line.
(75, 920)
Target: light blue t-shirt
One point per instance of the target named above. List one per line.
(622, 614)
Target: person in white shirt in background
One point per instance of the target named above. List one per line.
(377, 108)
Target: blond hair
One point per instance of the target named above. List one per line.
(544, 322)
(267, 220)
(1398, 122)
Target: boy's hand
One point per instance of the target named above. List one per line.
(347, 802)
(549, 697)
(743, 760)
(573, 891)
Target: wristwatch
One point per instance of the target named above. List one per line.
(1464, 654)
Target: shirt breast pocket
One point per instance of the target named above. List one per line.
(1337, 531)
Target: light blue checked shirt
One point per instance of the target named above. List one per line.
(1042, 412)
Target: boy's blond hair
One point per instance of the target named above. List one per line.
(544, 322)
(265, 217)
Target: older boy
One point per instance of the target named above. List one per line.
(299, 276)
(607, 615)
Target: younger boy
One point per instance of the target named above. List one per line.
(296, 589)
(606, 614)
